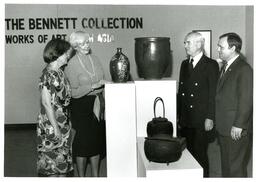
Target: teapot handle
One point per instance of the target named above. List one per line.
(155, 102)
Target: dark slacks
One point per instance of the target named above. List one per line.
(234, 155)
(197, 144)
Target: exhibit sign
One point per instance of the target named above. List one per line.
(66, 23)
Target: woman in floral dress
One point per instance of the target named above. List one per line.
(54, 126)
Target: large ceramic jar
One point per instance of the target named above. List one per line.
(152, 56)
(119, 67)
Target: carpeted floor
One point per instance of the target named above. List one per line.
(20, 154)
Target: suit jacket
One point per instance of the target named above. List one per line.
(196, 92)
(234, 98)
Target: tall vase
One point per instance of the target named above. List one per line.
(152, 56)
(119, 67)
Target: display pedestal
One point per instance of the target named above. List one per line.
(121, 130)
(186, 166)
(129, 107)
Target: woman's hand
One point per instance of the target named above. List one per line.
(103, 82)
(57, 132)
(99, 84)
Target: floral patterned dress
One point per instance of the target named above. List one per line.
(54, 155)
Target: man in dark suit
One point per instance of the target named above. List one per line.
(234, 105)
(196, 94)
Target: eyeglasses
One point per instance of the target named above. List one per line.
(86, 42)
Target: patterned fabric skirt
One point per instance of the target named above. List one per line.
(54, 155)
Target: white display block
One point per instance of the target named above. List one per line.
(185, 167)
(129, 107)
(121, 130)
(146, 92)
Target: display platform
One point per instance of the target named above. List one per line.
(129, 107)
(121, 130)
(186, 165)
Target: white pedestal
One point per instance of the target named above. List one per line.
(185, 167)
(129, 107)
(121, 130)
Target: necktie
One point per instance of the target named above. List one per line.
(223, 68)
(190, 66)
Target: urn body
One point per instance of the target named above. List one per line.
(152, 56)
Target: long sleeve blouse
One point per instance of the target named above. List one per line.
(83, 71)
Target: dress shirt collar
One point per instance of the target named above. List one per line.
(196, 58)
(230, 62)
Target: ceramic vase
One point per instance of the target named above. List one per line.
(119, 67)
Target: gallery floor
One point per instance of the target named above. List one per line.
(20, 155)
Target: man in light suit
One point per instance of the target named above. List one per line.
(234, 106)
(196, 104)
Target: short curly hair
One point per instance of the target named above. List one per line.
(54, 49)
(75, 38)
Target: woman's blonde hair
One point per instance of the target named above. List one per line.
(75, 38)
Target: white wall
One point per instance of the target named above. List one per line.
(23, 62)
(249, 38)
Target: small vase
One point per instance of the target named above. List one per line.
(119, 67)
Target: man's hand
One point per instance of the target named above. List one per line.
(208, 124)
(236, 133)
